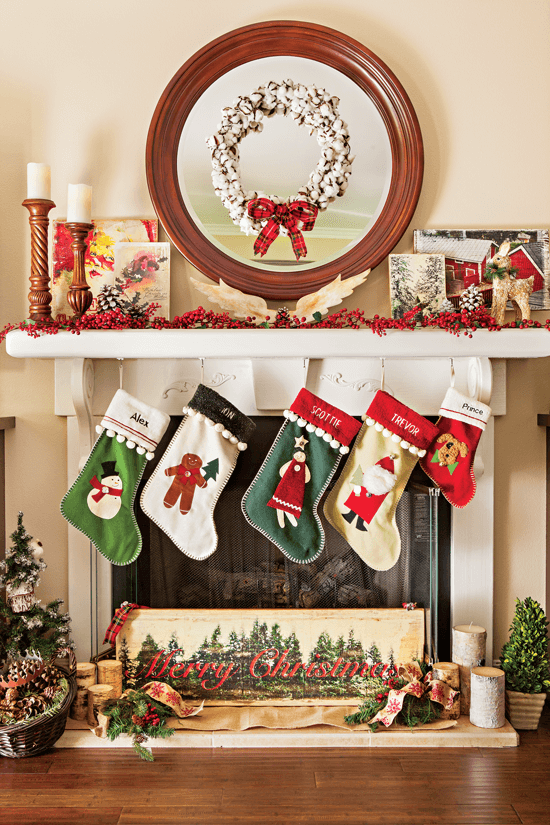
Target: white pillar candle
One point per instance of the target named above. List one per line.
(39, 181)
(79, 208)
(468, 651)
(487, 698)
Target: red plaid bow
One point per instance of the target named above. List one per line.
(290, 216)
(121, 614)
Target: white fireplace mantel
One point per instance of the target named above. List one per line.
(260, 371)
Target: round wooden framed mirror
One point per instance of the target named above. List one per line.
(358, 230)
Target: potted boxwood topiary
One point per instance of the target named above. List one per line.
(524, 659)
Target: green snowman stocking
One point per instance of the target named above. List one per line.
(101, 501)
(282, 501)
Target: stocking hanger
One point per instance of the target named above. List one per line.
(120, 371)
(382, 373)
(202, 369)
(452, 365)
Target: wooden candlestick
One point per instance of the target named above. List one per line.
(79, 296)
(40, 296)
(468, 651)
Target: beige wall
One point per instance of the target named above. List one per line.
(79, 83)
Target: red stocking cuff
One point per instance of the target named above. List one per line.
(326, 418)
(402, 423)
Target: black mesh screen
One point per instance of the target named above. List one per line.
(248, 571)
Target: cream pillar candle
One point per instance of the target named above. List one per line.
(85, 677)
(79, 208)
(109, 672)
(468, 651)
(39, 182)
(487, 703)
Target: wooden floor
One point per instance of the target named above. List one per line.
(412, 786)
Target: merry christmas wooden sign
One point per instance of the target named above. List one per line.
(267, 656)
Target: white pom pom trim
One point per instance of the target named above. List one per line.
(292, 416)
(185, 410)
(130, 444)
(226, 434)
(370, 421)
(120, 438)
(327, 437)
(233, 440)
(200, 416)
(241, 446)
(405, 444)
(99, 429)
(208, 422)
(344, 450)
(396, 438)
(335, 444)
(149, 456)
(386, 432)
(301, 422)
(219, 428)
(421, 453)
(140, 450)
(413, 449)
(378, 427)
(111, 433)
(191, 411)
(310, 428)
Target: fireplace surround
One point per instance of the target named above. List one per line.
(261, 371)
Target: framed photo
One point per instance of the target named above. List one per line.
(468, 251)
(100, 256)
(142, 272)
(416, 280)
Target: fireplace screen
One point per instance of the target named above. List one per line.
(248, 571)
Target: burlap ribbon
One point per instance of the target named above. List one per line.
(417, 685)
(296, 217)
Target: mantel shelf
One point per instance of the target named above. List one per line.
(166, 344)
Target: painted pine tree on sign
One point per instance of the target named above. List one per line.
(416, 280)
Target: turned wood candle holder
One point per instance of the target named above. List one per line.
(79, 296)
(40, 296)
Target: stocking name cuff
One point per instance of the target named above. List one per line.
(468, 410)
(324, 419)
(137, 423)
(218, 410)
(397, 420)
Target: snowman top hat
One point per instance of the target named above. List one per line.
(109, 469)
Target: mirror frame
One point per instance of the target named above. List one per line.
(296, 39)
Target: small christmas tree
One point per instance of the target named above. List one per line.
(32, 628)
(524, 658)
(20, 572)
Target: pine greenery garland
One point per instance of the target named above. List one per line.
(138, 715)
(524, 658)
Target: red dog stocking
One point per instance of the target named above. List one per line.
(363, 502)
(450, 458)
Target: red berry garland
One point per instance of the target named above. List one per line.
(456, 323)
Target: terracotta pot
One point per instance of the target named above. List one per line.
(524, 709)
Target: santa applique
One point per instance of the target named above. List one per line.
(370, 491)
(105, 500)
(288, 498)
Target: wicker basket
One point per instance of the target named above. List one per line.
(32, 738)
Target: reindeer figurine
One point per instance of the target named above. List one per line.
(507, 288)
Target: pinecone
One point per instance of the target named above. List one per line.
(32, 706)
(136, 312)
(137, 720)
(49, 693)
(23, 669)
(48, 678)
(109, 299)
(471, 299)
(283, 317)
(140, 738)
(445, 306)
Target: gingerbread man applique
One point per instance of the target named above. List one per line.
(187, 476)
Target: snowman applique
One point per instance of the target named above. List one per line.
(105, 500)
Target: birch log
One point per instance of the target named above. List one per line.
(449, 673)
(109, 672)
(468, 652)
(487, 698)
(98, 696)
(85, 677)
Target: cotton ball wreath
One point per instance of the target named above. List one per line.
(309, 106)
